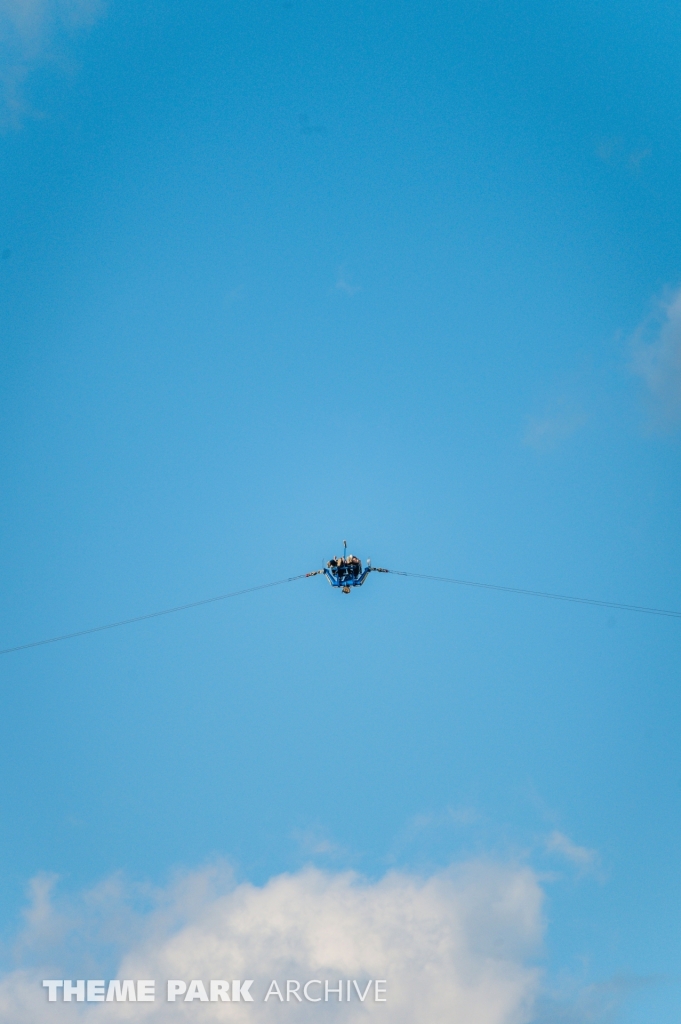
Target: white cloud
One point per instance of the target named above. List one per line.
(27, 34)
(455, 946)
(580, 856)
(656, 359)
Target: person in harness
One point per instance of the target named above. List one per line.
(347, 569)
(346, 572)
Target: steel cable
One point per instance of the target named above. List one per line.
(152, 615)
(541, 593)
(395, 572)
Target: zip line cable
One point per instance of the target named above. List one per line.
(394, 572)
(541, 593)
(153, 615)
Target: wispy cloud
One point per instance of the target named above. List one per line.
(343, 284)
(615, 151)
(607, 148)
(308, 128)
(545, 433)
(314, 842)
(580, 856)
(28, 29)
(454, 946)
(435, 820)
(656, 359)
(637, 157)
(601, 1001)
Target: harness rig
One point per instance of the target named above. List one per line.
(346, 572)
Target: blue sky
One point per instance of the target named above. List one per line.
(278, 274)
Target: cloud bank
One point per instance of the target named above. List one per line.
(656, 359)
(455, 946)
(28, 29)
